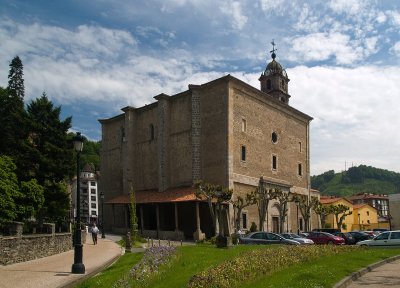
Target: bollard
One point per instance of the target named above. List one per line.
(152, 244)
(148, 242)
(159, 242)
(181, 242)
(169, 244)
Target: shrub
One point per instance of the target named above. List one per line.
(260, 262)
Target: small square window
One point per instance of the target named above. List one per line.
(243, 153)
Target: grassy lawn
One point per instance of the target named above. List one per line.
(191, 260)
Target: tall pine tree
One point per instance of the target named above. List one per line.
(53, 155)
(15, 79)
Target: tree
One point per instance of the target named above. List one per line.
(239, 204)
(9, 190)
(51, 155)
(305, 206)
(132, 210)
(261, 196)
(33, 198)
(15, 79)
(282, 197)
(219, 195)
(340, 212)
(323, 211)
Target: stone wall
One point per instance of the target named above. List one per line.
(20, 248)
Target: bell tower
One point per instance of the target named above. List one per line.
(274, 79)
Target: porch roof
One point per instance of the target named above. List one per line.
(181, 194)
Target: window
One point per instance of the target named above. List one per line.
(244, 220)
(274, 137)
(93, 205)
(368, 222)
(93, 198)
(84, 191)
(383, 236)
(243, 154)
(94, 213)
(274, 162)
(151, 132)
(299, 146)
(84, 183)
(244, 126)
(395, 235)
(93, 183)
(92, 191)
(299, 170)
(367, 213)
(269, 84)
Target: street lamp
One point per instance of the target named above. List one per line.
(297, 202)
(102, 214)
(78, 267)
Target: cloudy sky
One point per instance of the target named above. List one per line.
(95, 57)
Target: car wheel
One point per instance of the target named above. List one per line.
(330, 243)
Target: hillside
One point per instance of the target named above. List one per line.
(355, 180)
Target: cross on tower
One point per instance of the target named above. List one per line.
(273, 55)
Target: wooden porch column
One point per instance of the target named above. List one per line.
(141, 218)
(158, 219)
(198, 235)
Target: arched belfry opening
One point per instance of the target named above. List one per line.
(274, 79)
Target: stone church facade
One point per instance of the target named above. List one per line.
(223, 132)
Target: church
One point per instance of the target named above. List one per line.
(225, 132)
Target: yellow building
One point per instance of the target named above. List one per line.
(330, 219)
(365, 217)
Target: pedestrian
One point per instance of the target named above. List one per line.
(95, 231)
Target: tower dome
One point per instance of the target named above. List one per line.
(274, 79)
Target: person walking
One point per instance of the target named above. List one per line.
(95, 231)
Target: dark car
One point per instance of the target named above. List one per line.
(265, 238)
(325, 238)
(327, 230)
(348, 238)
(361, 236)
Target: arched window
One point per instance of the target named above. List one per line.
(269, 84)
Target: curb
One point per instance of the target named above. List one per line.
(354, 276)
(94, 272)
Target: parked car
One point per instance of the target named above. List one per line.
(327, 230)
(325, 238)
(266, 238)
(385, 239)
(298, 238)
(348, 238)
(360, 236)
(380, 230)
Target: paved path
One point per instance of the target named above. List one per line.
(387, 275)
(55, 271)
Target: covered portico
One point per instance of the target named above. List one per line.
(174, 214)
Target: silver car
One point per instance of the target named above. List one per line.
(295, 237)
(385, 239)
(266, 238)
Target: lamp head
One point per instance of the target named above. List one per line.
(78, 142)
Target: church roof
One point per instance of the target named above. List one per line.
(274, 67)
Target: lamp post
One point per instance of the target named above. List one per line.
(78, 267)
(297, 202)
(102, 215)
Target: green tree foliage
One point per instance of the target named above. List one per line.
(355, 180)
(9, 190)
(282, 197)
(305, 205)
(15, 79)
(322, 211)
(91, 153)
(341, 212)
(33, 198)
(239, 204)
(52, 154)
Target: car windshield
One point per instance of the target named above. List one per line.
(295, 235)
(287, 236)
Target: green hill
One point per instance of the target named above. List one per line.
(356, 180)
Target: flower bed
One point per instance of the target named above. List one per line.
(260, 262)
(148, 266)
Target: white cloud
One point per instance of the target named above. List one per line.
(234, 10)
(396, 49)
(355, 114)
(351, 7)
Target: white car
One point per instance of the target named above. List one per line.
(295, 237)
(385, 239)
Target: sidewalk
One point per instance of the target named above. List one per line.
(55, 271)
(381, 274)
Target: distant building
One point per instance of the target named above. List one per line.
(379, 201)
(89, 195)
(224, 132)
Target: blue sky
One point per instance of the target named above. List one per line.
(96, 57)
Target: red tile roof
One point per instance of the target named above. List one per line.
(181, 194)
(368, 196)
